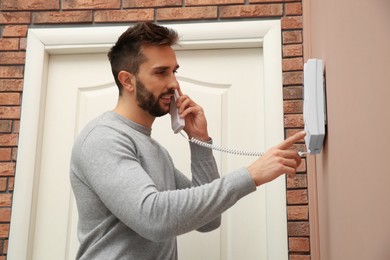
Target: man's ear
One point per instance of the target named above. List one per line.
(127, 80)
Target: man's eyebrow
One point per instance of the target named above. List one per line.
(165, 68)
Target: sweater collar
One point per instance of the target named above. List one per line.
(140, 128)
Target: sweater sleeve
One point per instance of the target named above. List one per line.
(203, 168)
(113, 171)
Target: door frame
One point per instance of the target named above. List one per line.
(41, 43)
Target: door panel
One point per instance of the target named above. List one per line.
(79, 87)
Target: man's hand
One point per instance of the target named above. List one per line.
(277, 161)
(195, 119)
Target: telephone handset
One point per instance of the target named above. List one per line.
(178, 124)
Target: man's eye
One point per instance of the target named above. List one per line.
(164, 72)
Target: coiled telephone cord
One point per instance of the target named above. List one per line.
(230, 151)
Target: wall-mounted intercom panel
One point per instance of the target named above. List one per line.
(314, 109)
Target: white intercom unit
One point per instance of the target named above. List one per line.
(314, 110)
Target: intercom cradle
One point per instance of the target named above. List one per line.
(314, 112)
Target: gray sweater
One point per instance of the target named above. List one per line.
(132, 201)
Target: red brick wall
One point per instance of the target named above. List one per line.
(17, 16)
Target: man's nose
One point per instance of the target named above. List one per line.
(174, 83)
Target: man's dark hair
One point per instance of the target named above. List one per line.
(127, 55)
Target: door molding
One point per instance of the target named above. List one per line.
(41, 43)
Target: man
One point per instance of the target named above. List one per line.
(132, 201)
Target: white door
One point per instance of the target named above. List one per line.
(227, 83)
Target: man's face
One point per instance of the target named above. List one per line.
(156, 80)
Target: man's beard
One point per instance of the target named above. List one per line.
(148, 102)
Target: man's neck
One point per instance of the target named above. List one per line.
(134, 113)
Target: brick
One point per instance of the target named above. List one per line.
(292, 50)
(295, 197)
(4, 230)
(266, 10)
(156, 3)
(297, 212)
(16, 126)
(265, 1)
(292, 22)
(22, 44)
(15, 31)
(90, 4)
(63, 17)
(11, 71)
(3, 185)
(15, 17)
(5, 214)
(299, 244)
(29, 5)
(5, 199)
(299, 257)
(294, 92)
(11, 84)
(15, 58)
(298, 229)
(9, 98)
(299, 181)
(14, 153)
(293, 8)
(292, 64)
(9, 44)
(5, 247)
(7, 169)
(11, 184)
(5, 126)
(293, 78)
(293, 120)
(292, 106)
(5, 154)
(187, 13)
(213, 2)
(289, 37)
(302, 167)
(8, 139)
(108, 16)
